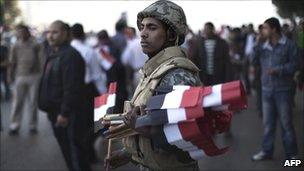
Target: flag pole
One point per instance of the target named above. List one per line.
(109, 153)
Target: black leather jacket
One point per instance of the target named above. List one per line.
(62, 84)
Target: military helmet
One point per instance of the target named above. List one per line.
(169, 13)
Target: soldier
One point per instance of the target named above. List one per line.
(162, 28)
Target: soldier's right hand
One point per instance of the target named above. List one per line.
(118, 158)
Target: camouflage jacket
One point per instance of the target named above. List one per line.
(169, 67)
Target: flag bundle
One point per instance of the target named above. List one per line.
(182, 103)
(103, 105)
(190, 116)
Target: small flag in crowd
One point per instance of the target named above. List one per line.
(103, 105)
(107, 60)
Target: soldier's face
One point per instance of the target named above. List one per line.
(56, 35)
(153, 36)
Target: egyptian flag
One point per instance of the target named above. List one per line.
(193, 136)
(230, 95)
(107, 60)
(185, 102)
(103, 105)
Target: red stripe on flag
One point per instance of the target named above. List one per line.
(197, 132)
(205, 141)
(206, 90)
(194, 112)
(191, 97)
(189, 129)
(233, 93)
(197, 111)
(101, 100)
(230, 91)
(112, 87)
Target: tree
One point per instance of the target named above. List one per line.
(9, 11)
(289, 8)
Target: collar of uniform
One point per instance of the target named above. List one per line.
(281, 41)
(160, 58)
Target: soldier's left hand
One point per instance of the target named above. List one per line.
(131, 116)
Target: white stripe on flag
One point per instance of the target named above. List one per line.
(215, 98)
(180, 87)
(173, 99)
(197, 154)
(106, 64)
(175, 115)
(100, 112)
(111, 100)
(174, 137)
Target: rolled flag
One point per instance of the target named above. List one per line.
(193, 136)
(185, 102)
(104, 104)
(190, 116)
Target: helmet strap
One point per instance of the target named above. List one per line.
(176, 41)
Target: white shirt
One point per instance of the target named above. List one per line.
(249, 44)
(133, 55)
(210, 46)
(93, 72)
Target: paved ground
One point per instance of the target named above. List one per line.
(41, 152)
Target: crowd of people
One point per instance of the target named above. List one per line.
(61, 73)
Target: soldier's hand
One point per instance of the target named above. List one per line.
(131, 116)
(62, 121)
(118, 158)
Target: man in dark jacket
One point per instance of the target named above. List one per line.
(212, 57)
(60, 96)
(117, 73)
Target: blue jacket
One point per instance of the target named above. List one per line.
(283, 58)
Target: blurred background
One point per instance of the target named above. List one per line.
(238, 23)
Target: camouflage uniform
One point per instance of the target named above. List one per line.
(169, 67)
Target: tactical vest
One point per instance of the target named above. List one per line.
(152, 73)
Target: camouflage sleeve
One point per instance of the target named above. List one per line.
(177, 76)
(180, 76)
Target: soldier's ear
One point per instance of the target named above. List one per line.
(171, 35)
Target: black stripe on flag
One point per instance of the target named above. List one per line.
(155, 102)
(159, 138)
(152, 118)
(163, 89)
(110, 110)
